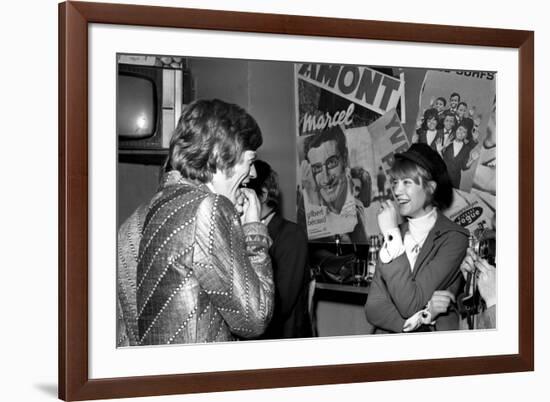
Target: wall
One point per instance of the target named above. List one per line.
(136, 184)
(265, 90)
(29, 202)
(272, 104)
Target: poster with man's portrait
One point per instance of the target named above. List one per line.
(348, 128)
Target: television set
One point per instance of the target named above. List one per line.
(149, 102)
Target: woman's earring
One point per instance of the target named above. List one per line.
(432, 186)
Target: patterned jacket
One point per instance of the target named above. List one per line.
(200, 276)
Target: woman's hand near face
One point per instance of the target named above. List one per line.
(388, 217)
(248, 205)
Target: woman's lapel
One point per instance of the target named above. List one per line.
(428, 246)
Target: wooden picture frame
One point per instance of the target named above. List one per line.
(74, 381)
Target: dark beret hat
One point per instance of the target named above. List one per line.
(423, 155)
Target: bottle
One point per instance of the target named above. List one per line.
(372, 258)
(472, 241)
(337, 240)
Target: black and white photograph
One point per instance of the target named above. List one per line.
(275, 201)
(261, 200)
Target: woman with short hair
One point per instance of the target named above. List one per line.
(424, 253)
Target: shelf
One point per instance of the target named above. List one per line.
(143, 156)
(342, 288)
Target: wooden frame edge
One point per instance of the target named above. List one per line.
(73, 202)
(526, 201)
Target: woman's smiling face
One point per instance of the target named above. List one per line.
(411, 196)
(431, 123)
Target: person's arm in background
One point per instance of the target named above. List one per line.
(486, 284)
(290, 257)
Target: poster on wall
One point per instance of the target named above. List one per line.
(461, 106)
(351, 120)
(468, 97)
(339, 159)
(348, 95)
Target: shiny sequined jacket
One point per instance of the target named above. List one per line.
(200, 275)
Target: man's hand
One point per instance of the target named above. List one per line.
(487, 282)
(468, 263)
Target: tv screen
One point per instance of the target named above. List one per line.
(137, 112)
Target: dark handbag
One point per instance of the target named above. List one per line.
(333, 268)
